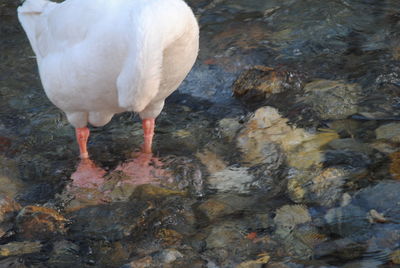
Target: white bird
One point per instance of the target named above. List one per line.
(97, 58)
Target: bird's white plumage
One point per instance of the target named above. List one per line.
(101, 57)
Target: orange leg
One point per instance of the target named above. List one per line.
(148, 130)
(82, 135)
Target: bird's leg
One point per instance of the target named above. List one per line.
(148, 130)
(82, 135)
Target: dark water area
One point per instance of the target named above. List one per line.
(280, 149)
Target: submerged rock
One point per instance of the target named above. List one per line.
(223, 205)
(390, 132)
(288, 216)
(315, 186)
(232, 179)
(9, 177)
(8, 211)
(259, 83)
(65, 254)
(19, 248)
(39, 223)
(382, 197)
(258, 263)
(350, 221)
(303, 149)
(332, 99)
(294, 231)
(113, 221)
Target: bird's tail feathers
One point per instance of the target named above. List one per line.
(140, 79)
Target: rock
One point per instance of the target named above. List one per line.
(350, 144)
(232, 179)
(111, 222)
(267, 128)
(260, 83)
(382, 197)
(19, 248)
(169, 237)
(40, 223)
(383, 146)
(169, 255)
(350, 221)
(212, 161)
(229, 127)
(145, 262)
(8, 211)
(224, 205)
(65, 254)
(13, 262)
(288, 216)
(259, 263)
(395, 257)
(322, 187)
(148, 192)
(225, 243)
(9, 178)
(389, 132)
(332, 99)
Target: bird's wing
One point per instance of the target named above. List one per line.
(57, 26)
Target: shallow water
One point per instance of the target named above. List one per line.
(302, 174)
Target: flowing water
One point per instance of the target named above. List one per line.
(280, 149)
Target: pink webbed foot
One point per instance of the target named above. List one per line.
(88, 175)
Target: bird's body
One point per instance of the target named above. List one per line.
(97, 58)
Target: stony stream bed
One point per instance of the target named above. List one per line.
(281, 149)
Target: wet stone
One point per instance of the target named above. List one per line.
(65, 254)
(332, 99)
(322, 187)
(389, 132)
(267, 128)
(258, 263)
(259, 83)
(224, 205)
(9, 177)
(349, 221)
(111, 221)
(19, 248)
(14, 262)
(288, 216)
(382, 197)
(226, 244)
(232, 179)
(39, 223)
(8, 211)
(229, 127)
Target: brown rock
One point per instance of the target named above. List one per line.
(34, 222)
(261, 82)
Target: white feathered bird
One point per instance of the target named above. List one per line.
(97, 58)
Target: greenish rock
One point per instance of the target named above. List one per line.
(389, 132)
(10, 183)
(229, 127)
(350, 145)
(333, 99)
